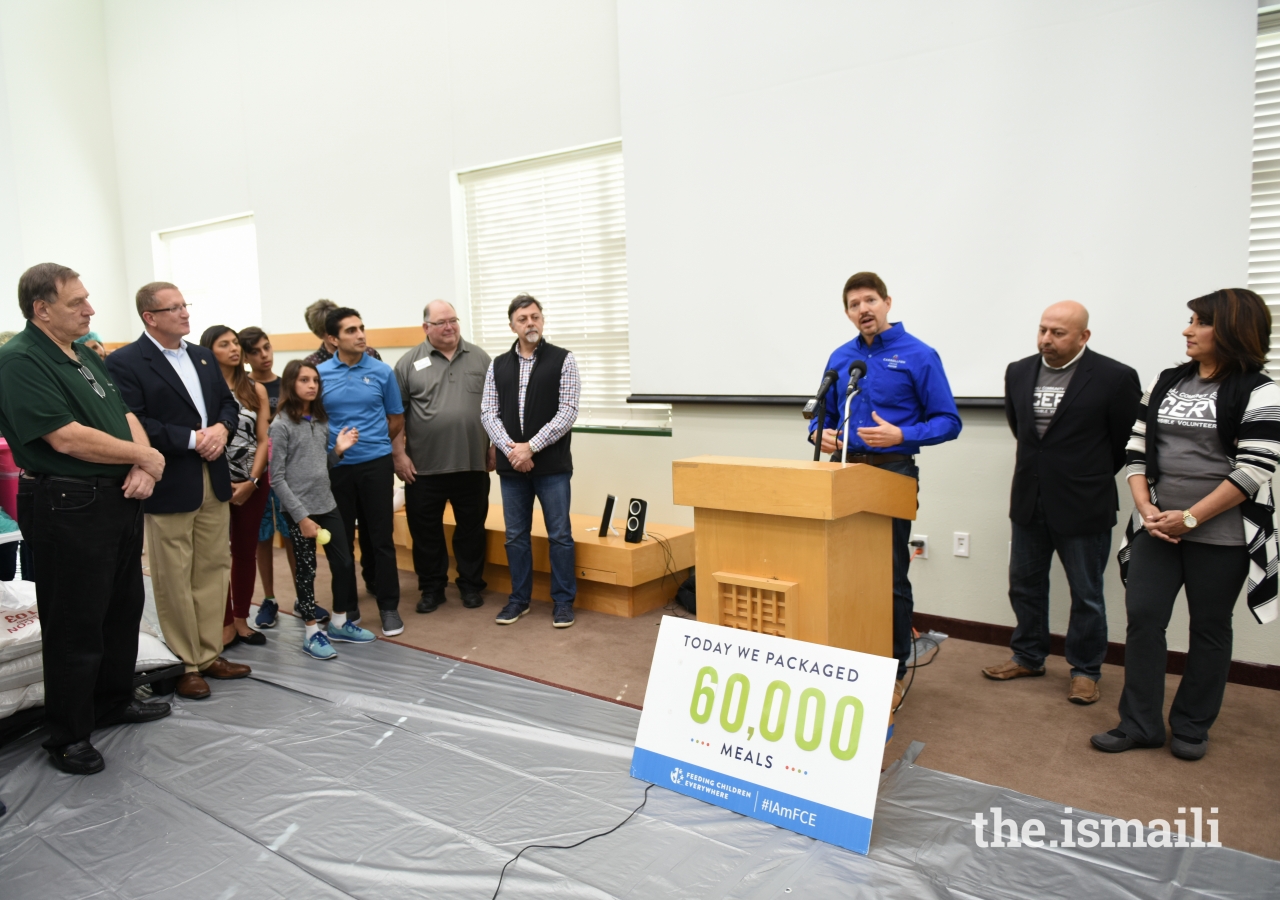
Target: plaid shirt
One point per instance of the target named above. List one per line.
(560, 424)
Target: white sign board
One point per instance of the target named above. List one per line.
(784, 731)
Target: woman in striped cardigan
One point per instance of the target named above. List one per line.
(1200, 461)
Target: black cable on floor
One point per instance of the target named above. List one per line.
(669, 561)
(915, 653)
(571, 846)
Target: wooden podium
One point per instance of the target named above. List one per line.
(797, 549)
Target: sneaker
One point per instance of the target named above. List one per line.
(391, 624)
(267, 614)
(322, 616)
(351, 633)
(430, 602)
(562, 616)
(318, 647)
(472, 600)
(512, 612)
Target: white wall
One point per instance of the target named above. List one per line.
(338, 124)
(986, 158)
(58, 193)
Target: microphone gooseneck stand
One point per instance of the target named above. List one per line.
(820, 414)
(853, 391)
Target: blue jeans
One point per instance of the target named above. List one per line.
(552, 491)
(1084, 556)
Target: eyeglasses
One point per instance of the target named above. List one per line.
(93, 382)
(173, 309)
(442, 322)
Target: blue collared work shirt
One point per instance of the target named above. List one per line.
(360, 396)
(904, 383)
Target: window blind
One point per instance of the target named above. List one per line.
(555, 227)
(1264, 218)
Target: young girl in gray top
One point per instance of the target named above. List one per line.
(300, 466)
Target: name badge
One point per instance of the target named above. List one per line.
(421, 364)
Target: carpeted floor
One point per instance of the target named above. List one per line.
(1022, 735)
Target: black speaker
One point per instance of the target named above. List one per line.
(636, 512)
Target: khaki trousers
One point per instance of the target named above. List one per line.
(190, 559)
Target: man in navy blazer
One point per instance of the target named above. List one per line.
(179, 395)
(1071, 411)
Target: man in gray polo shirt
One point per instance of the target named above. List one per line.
(444, 455)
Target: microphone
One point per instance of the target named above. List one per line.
(856, 371)
(810, 408)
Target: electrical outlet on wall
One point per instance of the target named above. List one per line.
(920, 544)
(960, 543)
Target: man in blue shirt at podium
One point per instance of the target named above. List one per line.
(904, 403)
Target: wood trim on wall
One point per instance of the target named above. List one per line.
(410, 336)
(1247, 673)
(377, 337)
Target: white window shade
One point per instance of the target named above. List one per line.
(1264, 221)
(555, 227)
(215, 266)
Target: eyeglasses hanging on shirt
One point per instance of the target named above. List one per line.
(93, 382)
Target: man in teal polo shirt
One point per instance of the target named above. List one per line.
(87, 468)
(361, 392)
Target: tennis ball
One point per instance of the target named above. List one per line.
(323, 537)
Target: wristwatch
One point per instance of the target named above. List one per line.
(1188, 519)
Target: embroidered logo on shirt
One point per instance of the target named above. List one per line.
(1189, 410)
(893, 362)
(366, 380)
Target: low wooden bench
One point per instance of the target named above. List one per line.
(614, 577)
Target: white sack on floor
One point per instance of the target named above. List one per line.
(17, 594)
(19, 699)
(153, 654)
(21, 672)
(19, 620)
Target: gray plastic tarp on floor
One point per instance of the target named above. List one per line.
(393, 773)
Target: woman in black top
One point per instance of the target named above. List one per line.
(1200, 461)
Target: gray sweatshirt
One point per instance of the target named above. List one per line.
(300, 466)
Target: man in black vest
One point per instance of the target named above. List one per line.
(529, 406)
(1071, 410)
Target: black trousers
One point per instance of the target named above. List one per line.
(342, 569)
(86, 547)
(1213, 576)
(365, 491)
(10, 555)
(424, 500)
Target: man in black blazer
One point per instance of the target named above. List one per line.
(1071, 411)
(179, 395)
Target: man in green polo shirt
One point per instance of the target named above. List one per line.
(87, 467)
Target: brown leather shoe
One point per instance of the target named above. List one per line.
(1010, 669)
(897, 696)
(192, 686)
(1084, 691)
(221, 668)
